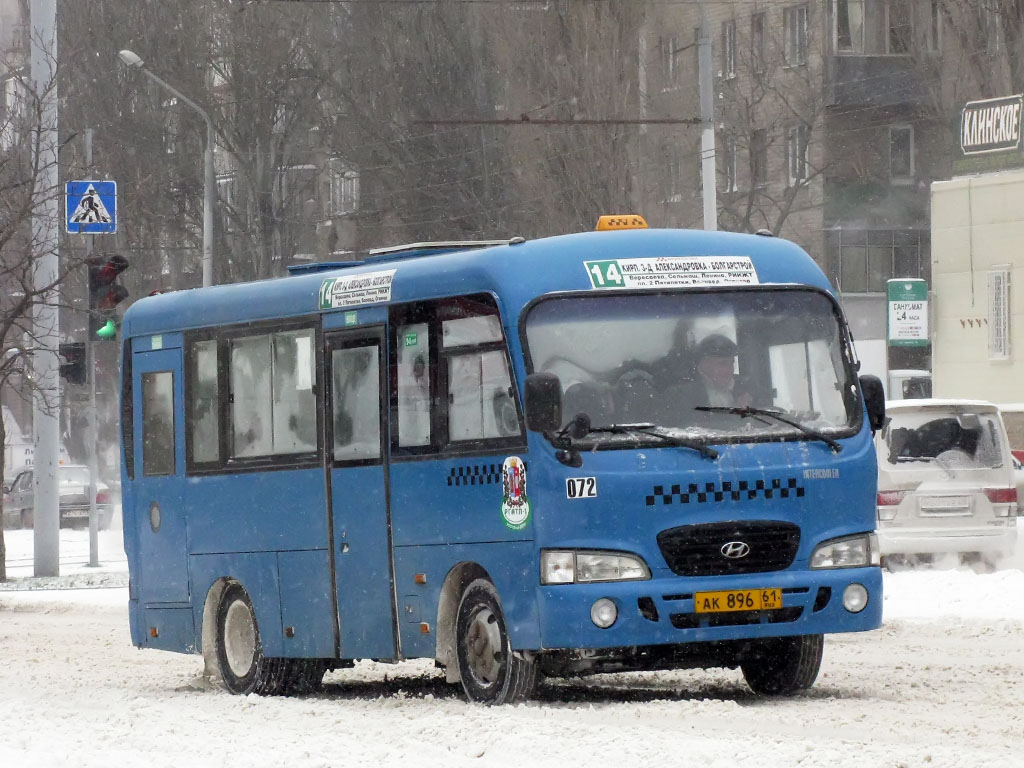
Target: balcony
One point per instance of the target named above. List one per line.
(875, 81)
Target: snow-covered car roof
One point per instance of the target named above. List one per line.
(913, 405)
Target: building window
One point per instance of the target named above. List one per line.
(668, 64)
(795, 20)
(759, 158)
(901, 152)
(729, 48)
(999, 314)
(899, 26)
(171, 126)
(849, 26)
(935, 26)
(226, 187)
(757, 58)
(868, 258)
(729, 165)
(344, 188)
(14, 94)
(673, 182)
(992, 24)
(283, 119)
(796, 153)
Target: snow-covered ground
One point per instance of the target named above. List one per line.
(940, 685)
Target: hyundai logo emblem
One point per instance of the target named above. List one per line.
(735, 549)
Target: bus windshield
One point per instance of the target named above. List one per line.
(713, 365)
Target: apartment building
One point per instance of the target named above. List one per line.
(832, 120)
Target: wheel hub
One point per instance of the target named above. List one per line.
(239, 638)
(483, 647)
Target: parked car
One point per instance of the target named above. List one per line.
(73, 486)
(946, 481)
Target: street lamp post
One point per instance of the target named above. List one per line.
(132, 60)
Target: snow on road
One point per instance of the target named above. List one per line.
(941, 684)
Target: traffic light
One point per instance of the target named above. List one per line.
(73, 369)
(105, 293)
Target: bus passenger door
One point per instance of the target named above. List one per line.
(157, 491)
(358, 495)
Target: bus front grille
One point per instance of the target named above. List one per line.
(702, 550)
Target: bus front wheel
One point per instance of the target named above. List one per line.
(491, 672)
(782, 665)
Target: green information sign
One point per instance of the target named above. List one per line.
(908, 312)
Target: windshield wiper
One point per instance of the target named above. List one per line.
(749, 410)
(580, 427)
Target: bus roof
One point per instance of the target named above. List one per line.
(517, 272)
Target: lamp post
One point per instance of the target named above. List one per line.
(133, 61)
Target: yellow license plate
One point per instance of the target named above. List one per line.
(738, 600)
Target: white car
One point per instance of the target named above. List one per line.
(946, 481)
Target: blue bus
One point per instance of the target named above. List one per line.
(626, 449)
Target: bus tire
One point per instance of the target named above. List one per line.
(783, 665)
(491, 672)
(240, 660)
(304, 676)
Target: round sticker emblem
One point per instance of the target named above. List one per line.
(515, 507)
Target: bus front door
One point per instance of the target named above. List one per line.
(355, 427)
(159, 513)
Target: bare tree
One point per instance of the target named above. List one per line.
(772, 112)
(21, 198)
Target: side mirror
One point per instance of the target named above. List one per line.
(543, 402)
(874, 400)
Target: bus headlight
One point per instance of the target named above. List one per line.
(587, 566)
(848, 552)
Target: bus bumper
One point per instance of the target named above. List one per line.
(661, 611)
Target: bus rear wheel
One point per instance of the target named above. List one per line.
(783, 665)
(491, 672)
(240, 660)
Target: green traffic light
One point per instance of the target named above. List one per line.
(108, 331)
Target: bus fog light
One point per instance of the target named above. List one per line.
(603, 613)
(855, 598)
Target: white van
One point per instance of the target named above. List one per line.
(945, 480)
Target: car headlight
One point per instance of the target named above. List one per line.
(848, 552)
(582, 567)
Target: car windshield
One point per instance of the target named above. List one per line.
(681, 361)
(948, 439)
(74, 475)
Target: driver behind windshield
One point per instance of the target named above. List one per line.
(716, 383)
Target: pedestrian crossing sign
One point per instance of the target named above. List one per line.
(91, 207)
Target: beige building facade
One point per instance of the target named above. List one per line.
(978, 258)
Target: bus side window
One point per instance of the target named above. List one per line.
(273, 407)
(158, 423)
(478, 393)
(250, 401)
(204, 404)
(294, 404)
(413, 385)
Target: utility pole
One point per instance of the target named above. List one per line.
(90, 381)
(43, 61)
(707, 122)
